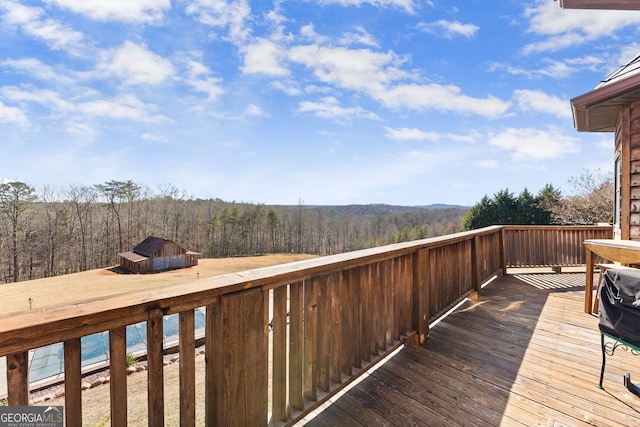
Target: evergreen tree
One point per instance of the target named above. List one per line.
(504, 208)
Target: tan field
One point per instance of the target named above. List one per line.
(70, 288)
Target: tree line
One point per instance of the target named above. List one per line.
(589, 202)
(59, 231)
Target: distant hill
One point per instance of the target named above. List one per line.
(443, 206)
(381, 209)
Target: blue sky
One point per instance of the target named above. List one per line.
(405, 102)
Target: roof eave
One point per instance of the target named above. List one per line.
(601, 97)
(600, 4)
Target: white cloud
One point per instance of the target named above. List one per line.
(44, 97)
(533, 144)
(223, 14)
(264, 57)
(134, 64)
(355, 69)
(487, 164)
(11, 115)
(127, 107)
(308, 33)
(34, 22)
(449, 29)
(36, 68)
(378, 75)
(154, 137)
(406, 134)
(290, 87)
(542, 102)
(559, 69)
(407, 5)
(198, 77)
(441, 98)
(329, 108)
(566, 28)
(361, 36)
(254, 110)
(119, 10)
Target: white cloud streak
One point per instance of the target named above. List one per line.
(12, 115)
(542, 102)
(414, 134)
(379, 76)
(199, 78)
(330, 108)
(34, 22)
(533, 144)
(406, 5)
(565, 28)
(123, 107)
(135, 64)
(36, 68)
(264, 57)
(223, 14)
(144, 11)
(449, 29)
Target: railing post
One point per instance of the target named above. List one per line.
(476, 269)
(187, 368)
(238, 360)
(155, 368)
(420, 296)
(72, 382)
(279, 336)
(296, 341)
(118, 374)
(18, 379)
(503, 251)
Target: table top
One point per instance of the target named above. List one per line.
(614, 243)
(622, 251)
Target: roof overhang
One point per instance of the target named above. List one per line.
(600, 4)
(133, 257)
(598, 110)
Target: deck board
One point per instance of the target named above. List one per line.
(523, 354)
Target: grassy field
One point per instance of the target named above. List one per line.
(73, 288)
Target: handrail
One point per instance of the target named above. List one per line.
(331, 317)
(547, 246)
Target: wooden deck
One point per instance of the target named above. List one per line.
(524, 354)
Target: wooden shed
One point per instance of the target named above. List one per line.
(156, 254)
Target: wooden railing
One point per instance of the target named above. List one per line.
(315, 325)
(548, 246)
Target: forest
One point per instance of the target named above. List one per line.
(60, 231)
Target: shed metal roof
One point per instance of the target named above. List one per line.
(150, 245)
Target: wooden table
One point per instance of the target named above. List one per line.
(623, 251)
